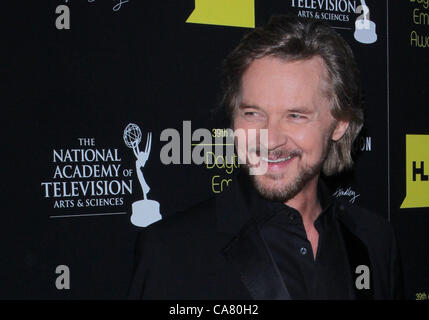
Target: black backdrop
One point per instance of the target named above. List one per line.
(144, 64)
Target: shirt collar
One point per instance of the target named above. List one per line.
(263, 205)
(242, 202)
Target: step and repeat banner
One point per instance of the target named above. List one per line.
(100, 94)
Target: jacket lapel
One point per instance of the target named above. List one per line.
(246, 250)
(259, 273)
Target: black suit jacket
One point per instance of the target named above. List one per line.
(215, 251)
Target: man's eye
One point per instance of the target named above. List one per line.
(295, 116)
(251, 114)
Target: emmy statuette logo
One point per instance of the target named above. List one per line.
(364, 27)
(144, 212)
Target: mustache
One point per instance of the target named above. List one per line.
(276, 153)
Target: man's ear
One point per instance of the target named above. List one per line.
(340, 128)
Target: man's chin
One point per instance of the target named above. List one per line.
(273, 188)
(281, 187)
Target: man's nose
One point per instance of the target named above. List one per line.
(276, 135)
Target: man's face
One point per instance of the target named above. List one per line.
(287, 99)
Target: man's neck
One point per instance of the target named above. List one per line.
(307, 202)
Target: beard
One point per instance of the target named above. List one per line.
(291, 188)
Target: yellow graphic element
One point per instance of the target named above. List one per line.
(234, 13)
(417, 171)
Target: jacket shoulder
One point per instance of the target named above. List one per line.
(366, 223)
(197, 215)
(193, 222)
(379, 237)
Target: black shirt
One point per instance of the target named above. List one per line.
(325, 277)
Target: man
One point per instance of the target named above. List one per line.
(279, 234)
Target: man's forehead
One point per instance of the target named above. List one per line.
(273, 80)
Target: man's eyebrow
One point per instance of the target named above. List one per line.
(246, 105)
(300, 109)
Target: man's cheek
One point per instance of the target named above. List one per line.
(309, 142)
(258, 138)
(240, 139)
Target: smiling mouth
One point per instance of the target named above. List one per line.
(277, 160)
